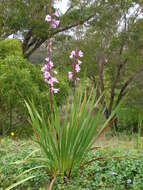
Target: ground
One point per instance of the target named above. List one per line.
(115, 163)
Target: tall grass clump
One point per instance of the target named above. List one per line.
(64, 145)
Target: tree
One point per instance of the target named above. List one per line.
(113, 50)
(29, 18)
(118, 51)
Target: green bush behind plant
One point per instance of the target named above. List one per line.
(19, 80)
(128, 116)
(10, 47)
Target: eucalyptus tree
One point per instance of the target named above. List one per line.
(117, 49)
(113, 48)
(28, 17)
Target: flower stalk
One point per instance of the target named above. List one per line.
(47, 69)
(73, 75)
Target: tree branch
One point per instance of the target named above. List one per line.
(39, 43)
(101, 84)
(119, 68)
(26, 40)
(126, 84)
(36, 46)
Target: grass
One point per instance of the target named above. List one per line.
(125, 172)
(121, 141)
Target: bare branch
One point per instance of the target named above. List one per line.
(126, 84)
(41, 41)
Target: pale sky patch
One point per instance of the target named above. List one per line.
(131, 12)
(62, 5)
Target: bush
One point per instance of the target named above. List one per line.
(10, 47)
(16, 85)
(20, 80)
(128, 116)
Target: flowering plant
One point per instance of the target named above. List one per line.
(75, 55)
(52, 19)
(47, 68)
(64, 145)
(48, 75)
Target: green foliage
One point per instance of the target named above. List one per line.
(16, 84)
(28, 17)
(121, 173)
(10, 47)
(21, 80)
(140, 122)
(65, 145)
(15, 80)
(128, 117)
(11, 172)
(112, 55)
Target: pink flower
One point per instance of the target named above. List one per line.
(79, 62)
(52, 80)
(77, 79)
(48, 18)
(77, 68)
(47, 59)
(55, 80)
(55, 90)
(49, 63)
(75, 65)
(56, 13)
(70, 74)
(44, 68)
(80, 53)
(55, 23)
(73, 53)
(47, 75)
(47, 68)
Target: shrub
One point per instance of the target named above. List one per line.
(128, 116)
(20, 80)
(10, 47)
(16, 84)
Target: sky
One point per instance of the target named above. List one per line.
(62, 5)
